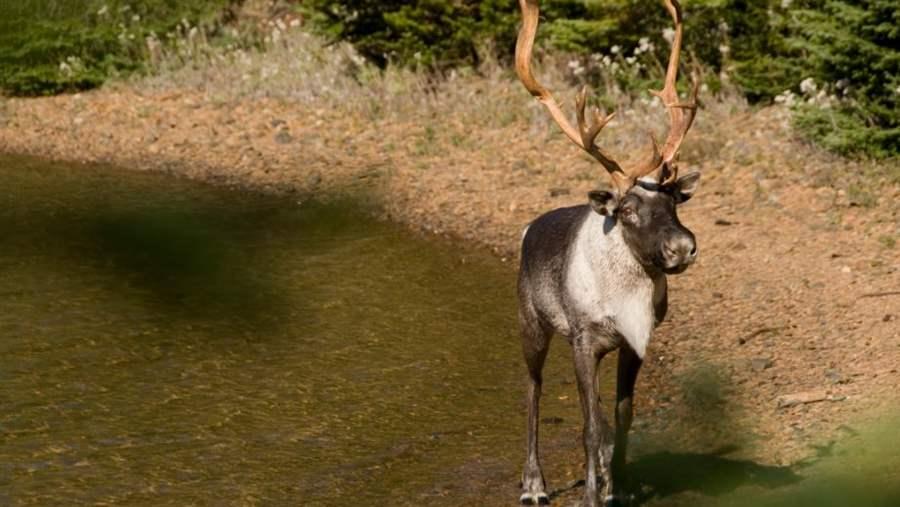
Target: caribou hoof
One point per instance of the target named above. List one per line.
(617, 500)
(539, 498)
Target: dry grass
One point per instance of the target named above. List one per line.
(296, 66)
(481, 114)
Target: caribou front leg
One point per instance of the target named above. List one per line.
(629, 366)
(587, 357)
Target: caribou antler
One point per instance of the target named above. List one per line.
(681, 114)
(585, 135)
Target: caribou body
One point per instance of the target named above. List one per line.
(596, 273)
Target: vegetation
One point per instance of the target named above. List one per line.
(834, 62)
(53, 46)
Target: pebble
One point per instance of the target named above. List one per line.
(283, 137)
(760, 363)
(790, 400)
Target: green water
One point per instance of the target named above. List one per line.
(168, 343)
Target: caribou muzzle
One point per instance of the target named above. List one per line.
(679, 252)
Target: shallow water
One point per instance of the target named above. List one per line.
(164, 342)
(169, 343)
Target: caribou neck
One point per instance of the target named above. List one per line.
(608, 286)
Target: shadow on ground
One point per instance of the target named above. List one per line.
(665, 474)
(183, 251)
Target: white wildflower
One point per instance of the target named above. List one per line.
(103, 10)
(607, 61)
(630, 60)
(294, 23)
(615, 49)
(135, 18)
(897, 90)
(65, 69)
(808, 86)
(668, 34)
(644, 45)
(786, 97)
(723, 27)
(786, 4)
(724, 49)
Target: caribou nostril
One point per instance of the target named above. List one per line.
(693, 252)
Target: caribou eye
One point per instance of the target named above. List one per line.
(627, 214)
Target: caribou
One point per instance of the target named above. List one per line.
(596, 273)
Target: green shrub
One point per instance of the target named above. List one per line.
(847, 48)
(850, 49)
(52, 46)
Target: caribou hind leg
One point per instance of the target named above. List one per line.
(535, 344)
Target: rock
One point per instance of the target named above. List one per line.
(835, 377)
(283, 137)
(790, 400)
(555, 192)
(760, 363)
(313, 180)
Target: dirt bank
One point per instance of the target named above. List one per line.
(793, 308)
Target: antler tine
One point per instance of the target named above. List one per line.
(584, 135)
(589, 132)
(681, 114)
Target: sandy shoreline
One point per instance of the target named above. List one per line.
(788, 296)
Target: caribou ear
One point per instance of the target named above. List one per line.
(603, 202)
(685, 186)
